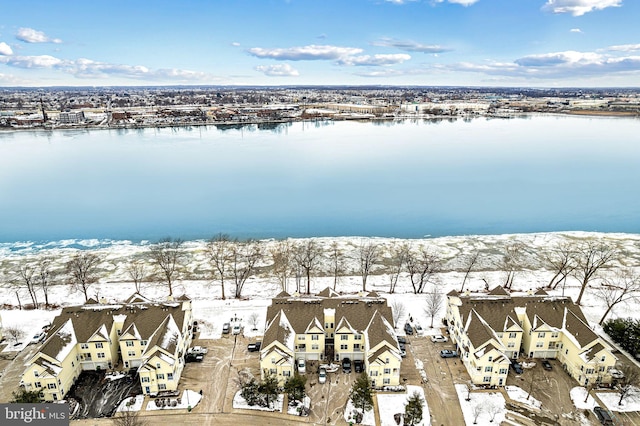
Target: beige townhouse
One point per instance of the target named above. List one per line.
(150, 337)
(490, 329)
(328, 327)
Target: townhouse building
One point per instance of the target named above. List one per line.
(491, 329)
(328, 327)
(148, 337)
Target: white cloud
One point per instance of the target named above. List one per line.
(374, 60)
(462, 2)
(575, 30)
(624, 48)
(235, 43)
(399, 1)
(280, 70)
(12, 80)
(411, 46)
(29, 35)
(301, 53)
(41, 61)
(5, 49)
(579, 7)
(559, 58)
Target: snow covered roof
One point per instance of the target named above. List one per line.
(61, 342)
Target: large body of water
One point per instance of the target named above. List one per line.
(405, 179)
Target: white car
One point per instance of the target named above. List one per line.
(39, 337)
(419, 330)
(236, 328)
(438, 338)
(302, 366)
(616, 374)
(322, 375)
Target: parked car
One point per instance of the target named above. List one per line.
(402, 347)
(402, 340)
(193, 357)
(403, 353)
(322, 375)
(438, 338)
(236, 328)
(616, 374)
(603, 415)
(254, 347)
(419, 329)
(517, 367)
(408, 329)
(546, 364)
(446, 353)
(302, 366)
(39, 337)
(346, 365)
(358, 365)
(226, 327)
(198, 350)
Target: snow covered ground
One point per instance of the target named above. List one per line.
(484, 408)
(578, 396)
(518, 394)
(610, 400)
(390, 404)
(369, 418)
(240, 402)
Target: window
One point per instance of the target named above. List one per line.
(157, 365)
(160, 376)
(541, 335)
(603, 358)
(51, 385)
(286, 373)
(358, 337)
(374, 373)
(145, 379)
(386, 381)
(601, 369)
(590, 371)
(162, 386)
(88, 356)
(488, 369)
(301, 337)
(315, 337)
(273, 360)
(119, 332)
(84, 346)
(35, 373)
(511, 345)
(100, 354)
(38, 384)
(315, 347)
(344, 337)
(486, 379)
(356, 347)
(169, 376)
(344, 347)
(387, 371)
(539, 344)
(499, 335)
(143, 343)
(99, 345)
(490, 358)
(131, 353)
(503, 371)
(326, 325)
(552, 345)
(386, 360)
(512, 335)
(273, 371)
(478, 368)
(129, 343)
(554, 335)
(73, 364)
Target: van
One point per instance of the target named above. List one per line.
(603, 416)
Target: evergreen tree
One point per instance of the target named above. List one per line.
(295, 388)
(269, 389)
(361, 393)
(25, 396)
(413, 409)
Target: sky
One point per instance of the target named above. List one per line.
(533, 43)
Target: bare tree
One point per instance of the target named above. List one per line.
(14, 332)
(561, 260)
(433, 302)
(253, 319)
(630, 382)
(535, 382)
(512, 262)
(336, 257)
(244, 256)
(83, 269)
(398, 310)
(623, 287)
(136, 269)
(128, 417)
(369, 255)
(219, 252)
(476, 410)
(281, 256)
(26, 275)
(493, 409)
(471, 261)
(168, 256)
(591, 257)
(398, 254)
(307, 256)
(421, 265)
(46, 277)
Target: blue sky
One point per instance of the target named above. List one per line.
(540, 43)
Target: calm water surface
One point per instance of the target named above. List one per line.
(406, 179)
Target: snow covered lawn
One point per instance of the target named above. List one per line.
(486, 405)
(369, 418)
(610, 399)
(390, 404)
(188, 399)
(578, 395)
(518, 394)
(240, 402)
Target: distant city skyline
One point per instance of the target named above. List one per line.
(535, 43)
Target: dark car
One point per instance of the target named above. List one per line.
(517, 367)
(226, 327)
(193, 357)
(346, 365)
(408, 329)
(254, 347)
(358, 366)
(446, 353)
(546, 364)
(402, 340)
(603, 415)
